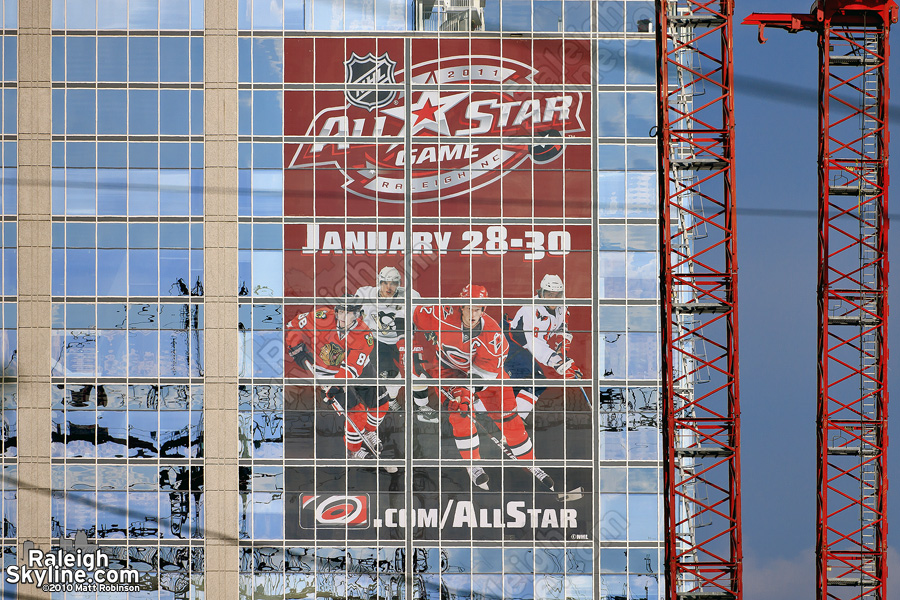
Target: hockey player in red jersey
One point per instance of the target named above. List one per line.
(336, 343)
(470, 344)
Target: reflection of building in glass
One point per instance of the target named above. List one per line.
(450, 15)
(200, 200)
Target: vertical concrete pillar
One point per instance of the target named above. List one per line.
(221, 302)
(34, 254)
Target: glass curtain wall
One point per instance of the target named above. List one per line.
(127, 285)
(479, 177)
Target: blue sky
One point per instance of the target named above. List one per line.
(777, 131)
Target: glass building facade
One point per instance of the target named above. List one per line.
(221, 178)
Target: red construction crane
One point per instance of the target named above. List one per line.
(851, 545)
(698, 262)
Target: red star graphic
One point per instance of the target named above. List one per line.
(426, 112)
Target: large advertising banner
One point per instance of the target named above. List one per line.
(438, 275)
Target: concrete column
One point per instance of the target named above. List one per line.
(221, 302)
(34, 307)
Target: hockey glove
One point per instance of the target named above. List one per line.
(330, 393)
(564, 344)
(426, 414)
(461, 401)
(567, 369)
(300, 354)
(574, 373)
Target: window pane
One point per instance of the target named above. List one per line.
(111, 59)
(81, 58)
(391, 15)
(267, 14)
(80, 192)
(112, 271)
(326, 15)
(174, 14)
(577, 15)
(610, 15)
(641, 16)
(80, 272)
(611, 194)
(80, 111)
(267, 112)
(174, 106)
(80, 14)
(142, 362)
(642, 194)
(143, 111)
(268, 56)
(611, 122)
(641, 114)
(548, 15)
(516, 15)
(267, 192)
(10, 58)
(142, 271)
(111, 184)
(112, 14)
(142, 14)
(174, 55)
(111, 113)
(360, 15)
(174, 272)
(174, 192)
(142, 192)
(641, 62)
(142, 59)
(643, 276)
(197, 60)
(268, 273)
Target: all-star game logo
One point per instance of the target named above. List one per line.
(456, 131)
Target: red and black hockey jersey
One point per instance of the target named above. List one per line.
(334, 354)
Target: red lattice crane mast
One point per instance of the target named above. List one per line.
(698, 262)
(851, 544)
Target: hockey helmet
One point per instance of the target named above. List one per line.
(552, 283)
(389, 274)
(474, 291)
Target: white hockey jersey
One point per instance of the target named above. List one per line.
(541, 331)
(387, 317)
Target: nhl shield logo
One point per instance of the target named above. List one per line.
(369, 71)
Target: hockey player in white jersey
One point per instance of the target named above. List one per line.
(538, 337)
(386, 317)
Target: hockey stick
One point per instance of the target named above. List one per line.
(300, 354)
(586, 399)
(340, 410)
(584, 393)
(503, 447)
(336, 405)
(575, 494)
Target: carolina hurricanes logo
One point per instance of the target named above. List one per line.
(334, 511)
(448, 157)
